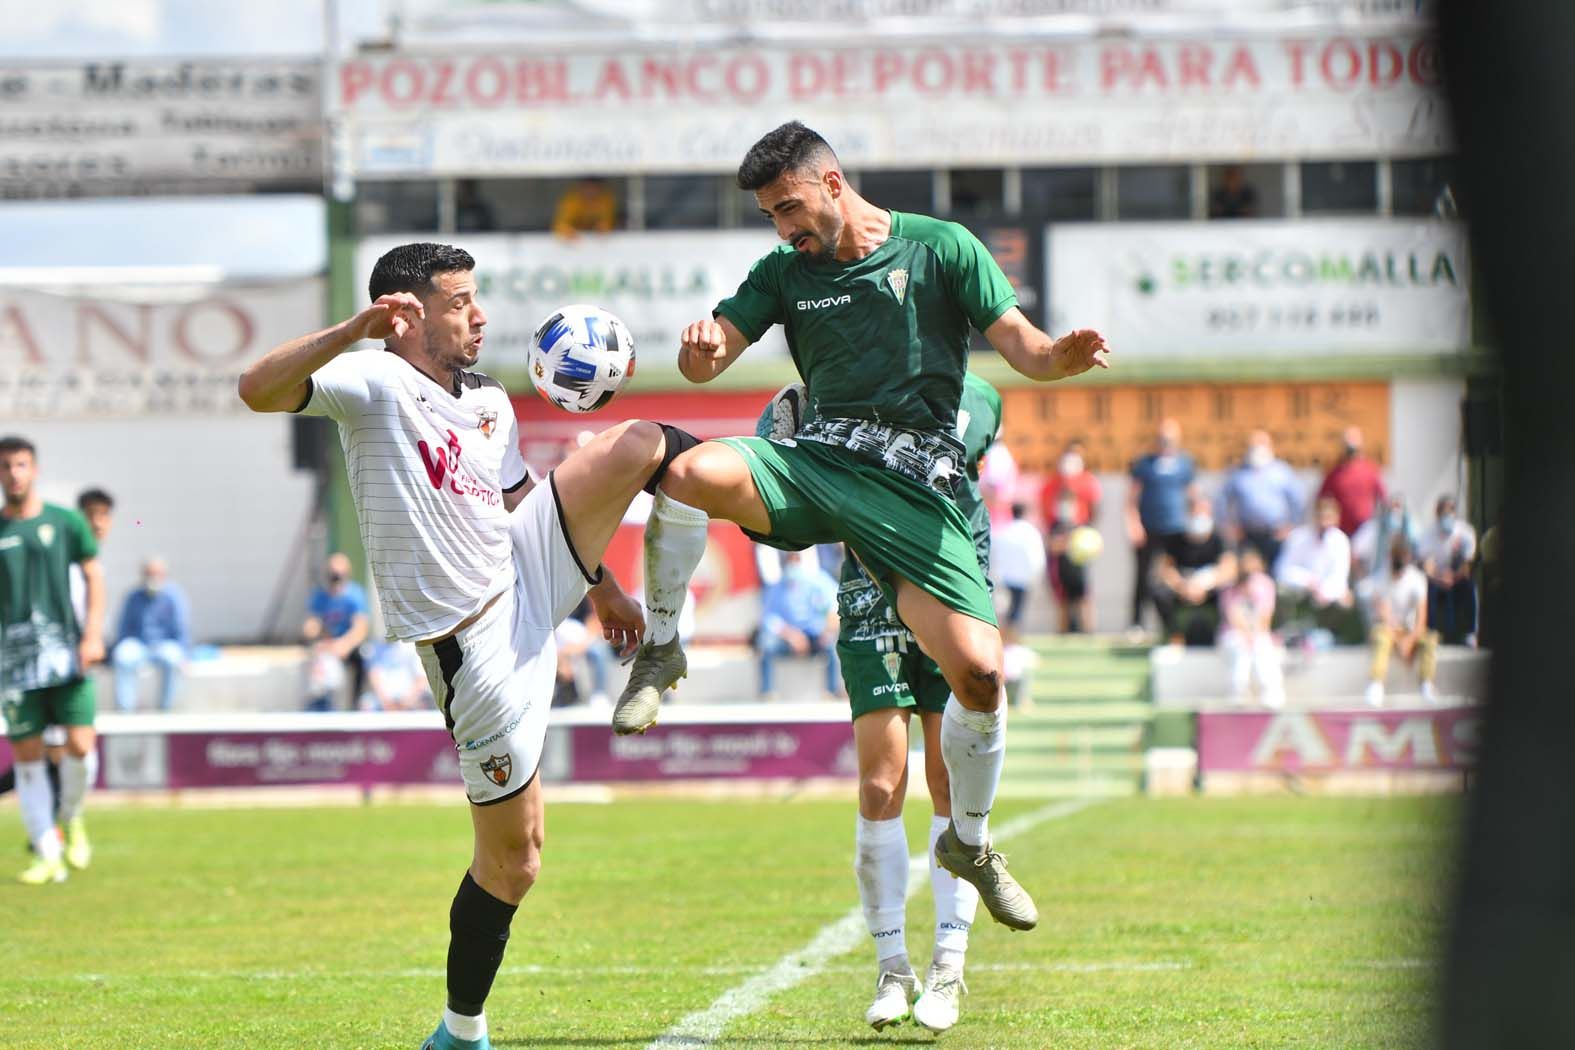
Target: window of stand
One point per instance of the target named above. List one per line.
(1154, 191)
(1339, 186)
(1061, 194)
(1246, 191)
(977, 194)
(897, 190)
(396, 206)
(683, 202)
(1427, 186)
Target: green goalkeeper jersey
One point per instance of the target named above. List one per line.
(38, 625)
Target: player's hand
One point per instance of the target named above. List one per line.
(390, 315)
(1078, 351)
(704, 339)
(90, 650)
(623, 621)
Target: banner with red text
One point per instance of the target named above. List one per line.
(991, 101)
(143, 349)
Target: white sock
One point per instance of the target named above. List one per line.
(463, 1026)
(973, 743)
(880, 860)
(76, 776)
(38, 817)
(674, 545)
(956, 901)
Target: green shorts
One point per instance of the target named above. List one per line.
(819, 493)
(877, 679)
(70, 703)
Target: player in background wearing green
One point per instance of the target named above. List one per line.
(45, 651)
(877, 306)
(887, 679)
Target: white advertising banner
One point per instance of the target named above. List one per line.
(142, 350)
(145, 126)
(656, 282)
(944, 103)
(1250, 288)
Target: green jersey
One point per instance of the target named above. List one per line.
(863, 611)
(883, 339)
(38, 626)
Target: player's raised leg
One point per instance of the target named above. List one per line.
(880, 858)
(956, 901)
(973, 743)
(710, 480)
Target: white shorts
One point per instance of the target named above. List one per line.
(493, 681)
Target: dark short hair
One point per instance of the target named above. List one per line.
(791, 147)
(411, 267)
(89, 497)
(16, 443)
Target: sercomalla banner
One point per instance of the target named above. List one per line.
(655, 282)
(907, 105)
(1255, 288)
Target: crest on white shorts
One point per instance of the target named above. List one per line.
(498, 768)
(898, 279)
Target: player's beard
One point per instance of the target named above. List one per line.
(828, 236)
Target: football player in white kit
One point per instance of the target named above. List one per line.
(475, 561)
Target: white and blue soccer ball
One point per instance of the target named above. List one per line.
(580, 357)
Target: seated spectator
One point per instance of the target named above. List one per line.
(336, 626)
(1262, 499)
(1235, 198)
(1446, 551)
(155, 627)
(799, 618)
(1193, 568)
(396, 679)
(1017, 558)
(588, 206)
(1314, 572)
(1400, 625)
(1246, 616)
(1369, 569)
(1355, 482)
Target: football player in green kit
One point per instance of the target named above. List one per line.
(887, 679)
(877, 306)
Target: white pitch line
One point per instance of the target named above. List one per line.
(703, 1027)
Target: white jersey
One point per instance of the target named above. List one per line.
(428, 469)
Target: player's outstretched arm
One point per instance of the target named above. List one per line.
(1037, 356)
(277, 381)
(706, 348)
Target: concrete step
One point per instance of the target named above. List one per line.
(1071, 712)
(1045, 690)
(1088, 787)
(1124, 736)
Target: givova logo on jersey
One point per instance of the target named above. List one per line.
(821, 304)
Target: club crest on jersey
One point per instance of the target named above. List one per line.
(486, 421)
(893, 662)
(46, 534)
(498, 768)
(898, 280)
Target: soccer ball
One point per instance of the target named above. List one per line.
(1084, 545)
(580, 357)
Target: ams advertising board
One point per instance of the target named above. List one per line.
(1257, 288)
(118, 127)
(992, 101)
(656, 282)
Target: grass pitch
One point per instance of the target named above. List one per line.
(1293, 922)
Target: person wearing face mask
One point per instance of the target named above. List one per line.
(1192, 570)
(1355, 482)
(1262, 499)
(1070, 501)
(798, 618)
(1400, 625)
(1314, 574)
(1447, 551)
(335, 628)
(1156, 508)
(155, 627)
(1371, 541)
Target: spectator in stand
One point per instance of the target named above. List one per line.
(1247, 636)
(98, 508)
(1400, 625)
(1156, 508)
(1193, 568)
(395, 679)
(335, 628)
(1369, 568)
(1262, 500)
(1447, 551)
(1235, 199)
(472, 213)
(1071, 480)
(1069, 501)
(1314, 571)
(1356, 483)
(798, 618)
(588, 206)
(1017, 558)
(155, 627)
(998, 477)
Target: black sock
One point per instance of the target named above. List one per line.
(8, 780)
(478, 926)
(53, 769)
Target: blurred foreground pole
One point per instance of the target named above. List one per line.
(1510, 976)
